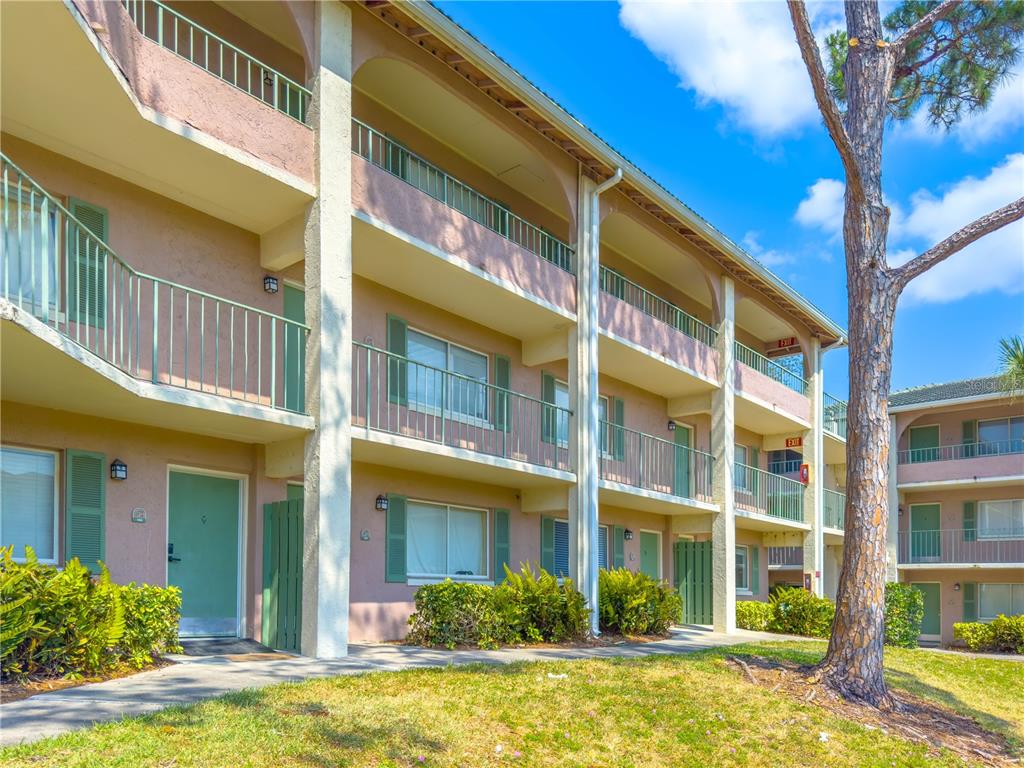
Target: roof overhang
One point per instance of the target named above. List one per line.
(951, 402)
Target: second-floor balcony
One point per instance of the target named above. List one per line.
(783, 558)
(770, 397)
(60, 274)
(966, 547)
(976, 462)
(763, 493)
(834, 422)
(834, 509)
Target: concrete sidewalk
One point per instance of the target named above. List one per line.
(195, 678)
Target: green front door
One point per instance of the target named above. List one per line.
(925, 543)
(932, 622)
(692, 577)
(650, 554)
(681, 476)
(294, 350)
(924, 444)
(202, 551)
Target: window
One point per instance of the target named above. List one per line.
(562, 401)
(1001, 436)
(1000, 600)
(28, 502)
(562, 547)
(742, 569)
(1001, 519)
(784, 462)
(443, 540)
(30, 240)
(432, 388)
(741, 479)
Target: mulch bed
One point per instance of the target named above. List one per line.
(915, 719)
(15, 690)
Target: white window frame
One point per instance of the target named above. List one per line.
(430, 578)
(745, 589)
(449, 412)
(1012, 535)
(741, 485)
(55, 560)
(1011, 585)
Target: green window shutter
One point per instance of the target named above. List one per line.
(970, 591)
(87, 262)
(394, 554)
(754, 457)
(502, 402)
(619, 547)
(547, 544)
(398, 385)
(85, 485)
(755, 570)
(969, 430)
(970, 521)
(502, 545)
(548, 418)
(618, 434)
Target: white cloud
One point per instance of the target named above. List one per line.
(993, 263)
(823, 206)
(769, 257)
(741, 54)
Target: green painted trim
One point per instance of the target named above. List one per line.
(969, 589)
(970, 521)
(85, 488)
(547, 544)
(618, 547)
(502, 543)
(394, 553)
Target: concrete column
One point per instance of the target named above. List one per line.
(814, 457)
(328, 251)
(583, 394)
(892, 534)
(723, 442)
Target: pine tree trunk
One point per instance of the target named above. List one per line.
(853, 664)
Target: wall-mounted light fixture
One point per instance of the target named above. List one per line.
(118, 470)
(381, 504)
(270, 284)
(671, 426)
(956, 587)
(627, 535)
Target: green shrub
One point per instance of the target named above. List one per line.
(904, 612)
(526, 607)
(67, 622)
(1004, 634)
(796, 611)
(633, 603)
(754, 615)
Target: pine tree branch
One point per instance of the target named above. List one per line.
(958, 241)
(919, 27)
(826, 104)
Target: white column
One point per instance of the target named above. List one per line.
(814, 457)
(583, 394)
(328, 250)
(892, 551)
(723, 440)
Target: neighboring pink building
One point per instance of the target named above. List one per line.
(957, 501)
(298, 314)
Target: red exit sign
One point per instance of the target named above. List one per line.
(794, 442)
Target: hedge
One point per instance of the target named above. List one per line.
(904, 612)
(67, 622)
(1004, 634)
(632, 603)
(753, 615)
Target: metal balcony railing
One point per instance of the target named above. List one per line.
(622, 288)
(835, 509)
(56, 269)
(784, 467)
(770, 368)
(399, 396)
(962, 451)
(961, 546)
(767, 494)
(785, 557)
(835, 416)
(654, 464)
(388, 154)
(177, 33)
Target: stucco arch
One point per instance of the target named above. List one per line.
(757, 319)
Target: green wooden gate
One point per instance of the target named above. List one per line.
(282, 574)
(692, 577)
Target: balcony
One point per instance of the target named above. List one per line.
(641, 471)
(835, 417)
(961, 548)
(453, 247)
(771, 399)
(785, 558)
(418, 417)
(834, 515)
(768, 500)
(135, 346)
(646, 338)
(989, 464)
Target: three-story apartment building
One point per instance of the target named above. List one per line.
(307, 304)
(956, 501)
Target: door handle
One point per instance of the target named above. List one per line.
(170, 554)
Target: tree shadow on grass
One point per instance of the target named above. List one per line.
(399, 742)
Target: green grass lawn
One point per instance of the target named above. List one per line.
(656, 711)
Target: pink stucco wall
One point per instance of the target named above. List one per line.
(404, 207)
(756, 384)
(1006, 465)
(177, 88)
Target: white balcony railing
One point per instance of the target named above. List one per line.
(968, 546)
(654, 464)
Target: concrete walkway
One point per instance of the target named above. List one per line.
(195, 678)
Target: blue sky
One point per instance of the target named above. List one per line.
(712, 101)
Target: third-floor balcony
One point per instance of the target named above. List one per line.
(767, 498)
(834, 509)
(989, 463)
(770, 398)
(961, 547)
